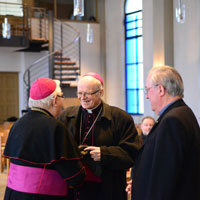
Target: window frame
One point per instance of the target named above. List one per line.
(135, 106)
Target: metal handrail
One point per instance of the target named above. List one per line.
(35, 65)
(52, 53)
(20, 27)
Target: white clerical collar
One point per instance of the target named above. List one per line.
(91, 110)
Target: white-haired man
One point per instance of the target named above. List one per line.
(111, 137)
(44, 156)
(168, 164)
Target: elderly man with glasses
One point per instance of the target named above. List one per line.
(168, 164)
(107, 138)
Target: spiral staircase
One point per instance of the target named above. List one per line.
(35, 30)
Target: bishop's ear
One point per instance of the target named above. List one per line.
(101, 92)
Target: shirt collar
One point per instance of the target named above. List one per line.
(165, 108)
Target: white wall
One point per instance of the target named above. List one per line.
(90, 52)
(10, 60)
(185, 41)
(187, 53)
(115, 57)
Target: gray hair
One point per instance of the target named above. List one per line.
(46, 102)
(169, 78)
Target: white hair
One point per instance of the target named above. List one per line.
(97, 83)
(46, 102)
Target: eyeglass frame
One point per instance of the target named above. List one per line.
(87, 94)
(146, 90)
(61, 96)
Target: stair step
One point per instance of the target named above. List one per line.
(58, 53)
(62, 58)
(70, 83)
(44, 40)
(66, 73)
(66, 77)
(64, 63)
(66, 67)
(45, 45)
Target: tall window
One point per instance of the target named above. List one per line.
(134, 57)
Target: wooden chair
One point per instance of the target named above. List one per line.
(2, 159)
(4, 162)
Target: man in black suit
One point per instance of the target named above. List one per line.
(168, 164)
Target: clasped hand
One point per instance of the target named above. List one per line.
(95, 152)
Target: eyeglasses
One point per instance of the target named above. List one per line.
(87, 94)
(146, 90)
(61, 96)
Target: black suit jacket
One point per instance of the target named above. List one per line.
(168, 164)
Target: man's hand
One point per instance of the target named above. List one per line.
(129, 186)
(95, 152)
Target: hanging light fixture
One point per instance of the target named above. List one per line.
(79, 8)
(6, 33)
(180, 12)
(89, 34)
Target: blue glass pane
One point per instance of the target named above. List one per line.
(134, 76)
(132, 51)
(134, 32)
(131, 76)
(129, 18)
(133, 102)
(129, 51)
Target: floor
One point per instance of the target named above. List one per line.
(3, 180)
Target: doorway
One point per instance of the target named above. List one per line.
(9, 92)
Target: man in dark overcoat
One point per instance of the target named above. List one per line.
(111, 137)
(44, 158)
(168, 164)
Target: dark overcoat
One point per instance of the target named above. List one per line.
(168, 164)
(116, 135)
(38, 140)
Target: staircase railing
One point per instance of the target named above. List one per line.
(22, 18)
(38, 23)
(66, 32)
(66, 43)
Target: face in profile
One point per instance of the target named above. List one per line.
(59, 104)
(147, 125)
(153, 95)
